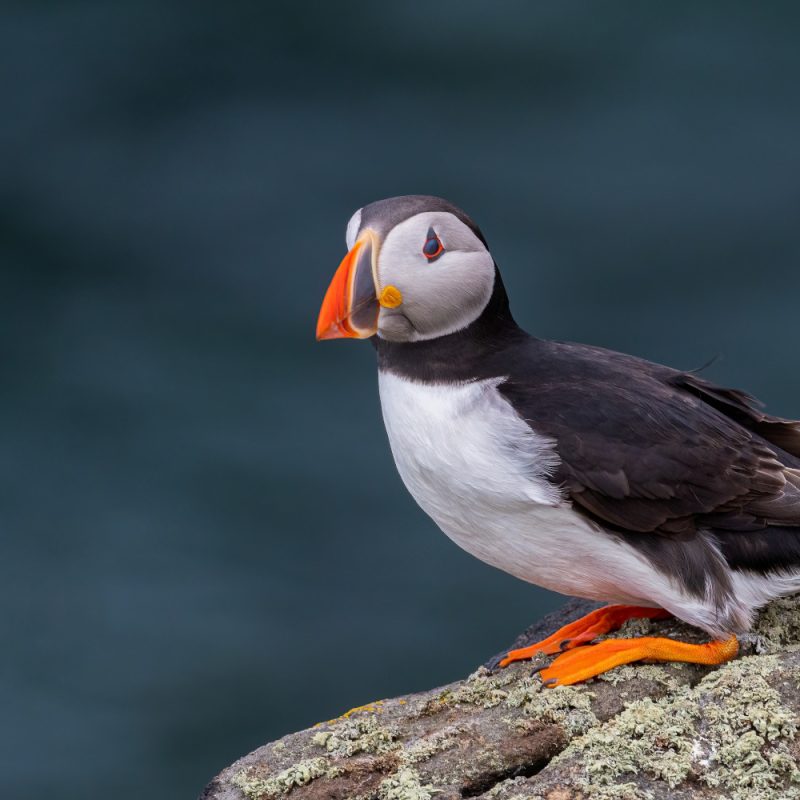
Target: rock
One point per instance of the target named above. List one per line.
(640, 732)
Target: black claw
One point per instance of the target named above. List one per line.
(550, 682)
(493, 664)
(537, 670)
(564, 644)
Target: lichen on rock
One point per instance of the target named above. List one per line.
(566, 705)
(405, 784)
(482, 688)
(362, 734)
(253, 785)
(778, 624)
(639, 732)
(732, 731)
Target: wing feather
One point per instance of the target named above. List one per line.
(649, 449)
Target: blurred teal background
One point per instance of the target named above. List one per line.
(204, 541)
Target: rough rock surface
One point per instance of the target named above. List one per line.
(643, 731)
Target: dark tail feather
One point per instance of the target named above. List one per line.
(771, 549)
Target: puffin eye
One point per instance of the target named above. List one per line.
(432, 248)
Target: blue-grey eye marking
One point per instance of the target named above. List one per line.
(432, 248)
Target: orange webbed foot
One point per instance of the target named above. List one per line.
(584, 630)
(588, 662)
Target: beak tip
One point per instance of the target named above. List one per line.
(329, 330)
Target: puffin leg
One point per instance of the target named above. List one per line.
(588, 662)
(583, 630)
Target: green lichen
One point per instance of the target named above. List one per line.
(512, 789)
(730, 731)
(260, 787)
(744, 730)
(664, 674)
(501, 790)
(405, 784)
(648, 736)
(778, 624)
(633, 628)
(620, 791)
(565, 705)
(321, 739)
(361, 734)
(482, 688)
(624, 791)
(427, 747)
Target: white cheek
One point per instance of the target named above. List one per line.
(439, 297)
(446, 297)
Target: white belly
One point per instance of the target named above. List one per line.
(481, 473)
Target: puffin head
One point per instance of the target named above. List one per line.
(417, 268)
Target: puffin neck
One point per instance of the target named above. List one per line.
(466, 355)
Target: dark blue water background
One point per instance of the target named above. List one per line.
(204, 540)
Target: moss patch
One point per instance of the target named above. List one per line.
(664, 674)
(437, 742)
(362, 734)
(482, 688)
(568, 706)
(257, 786)
(405, 784)
(778, 624)
(730, 731)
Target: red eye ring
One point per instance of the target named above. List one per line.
(433, 247)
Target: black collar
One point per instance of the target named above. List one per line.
(469, 354)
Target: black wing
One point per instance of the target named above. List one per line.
(645, 448)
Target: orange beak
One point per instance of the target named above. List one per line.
(350, 308)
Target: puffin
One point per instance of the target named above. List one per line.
(586, 471)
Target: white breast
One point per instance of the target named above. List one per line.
(481, 473)
(464, 443)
